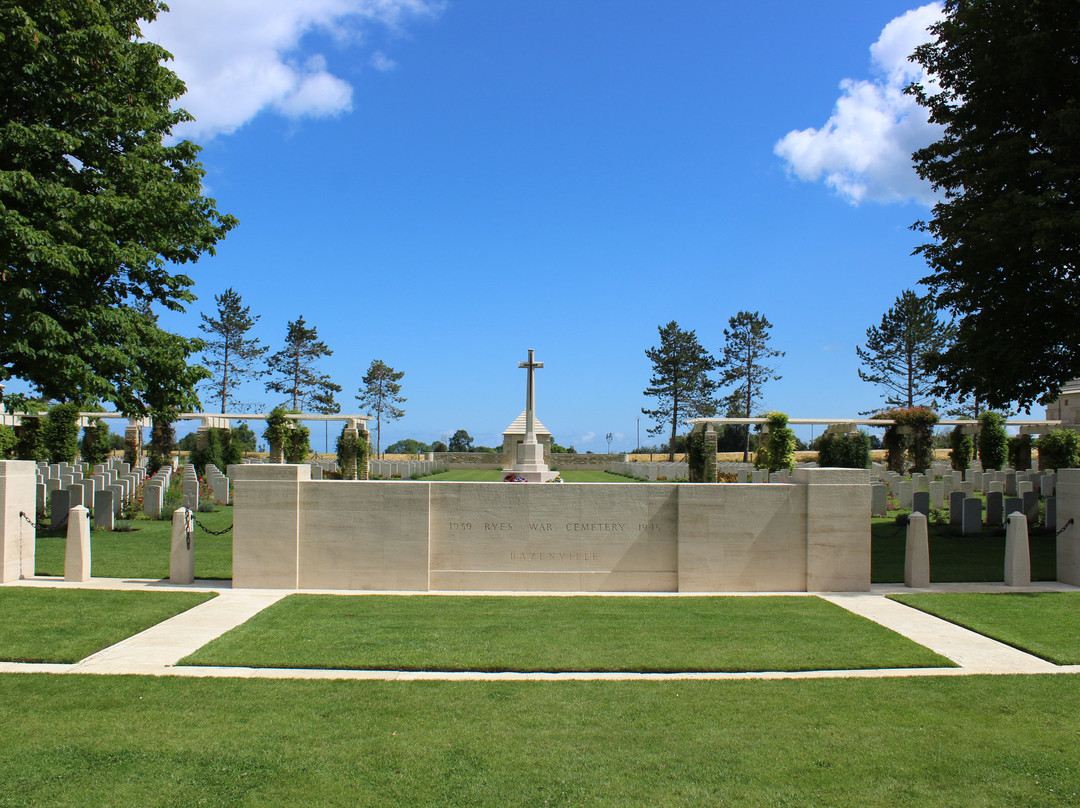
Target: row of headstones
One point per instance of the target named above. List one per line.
(1017, 552)
(218, 483)
(679, 470)
(1012, 483)
(154, 492)
(65, 486)
(405, 469)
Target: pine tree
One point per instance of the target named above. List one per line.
(230, 354)
(680, 382)
(296, 375)
(382, 393)
(744, 362)
(898, 352)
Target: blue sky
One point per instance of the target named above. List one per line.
(444, 185)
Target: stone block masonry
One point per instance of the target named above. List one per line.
(292, 532)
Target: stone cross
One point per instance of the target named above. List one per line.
(530, 403)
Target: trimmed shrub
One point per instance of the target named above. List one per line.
(297, 445)
(778, 451)
(1059, 449)
(993, 441)
(7, 442)
(96, 442)
(963, 447)
(1020, 451)
(61, 433)
(844, 451)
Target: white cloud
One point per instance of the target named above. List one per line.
(587, 437)
(241, 57)
(381, 62)
(864, 150)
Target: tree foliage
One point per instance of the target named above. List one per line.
(680, 381)
(95, 211)
(295, 374)
(381, 392)
(746, 362)
(461, 441)
(898, 352)
(230, 354)
(61, 433)
(1006, 233)
(993, 440)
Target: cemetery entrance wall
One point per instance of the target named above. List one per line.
(292, 532)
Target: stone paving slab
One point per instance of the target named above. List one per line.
(974, 652)
(171, 640)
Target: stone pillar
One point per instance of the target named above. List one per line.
(1017, 552)
(18, 488)
(133, 441)
(1068, 541)
(917, 553)
(182, 554)
(77, 549)
(202, 437)
(364, 472)
(266, 524)
(837, 529)
(348, 465)
(710, 455)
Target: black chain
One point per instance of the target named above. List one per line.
(27, 518)
(1064, 527)
(205, 529)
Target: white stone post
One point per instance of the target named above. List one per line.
(182, 556)
(1017, 552)
(917, 553)
(77, 549)
(18, 489)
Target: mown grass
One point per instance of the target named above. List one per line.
(561, 634)
(144, 551)
(66, 625)
(1046, 624)
(956, 558)
(983, 741)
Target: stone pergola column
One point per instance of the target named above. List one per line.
(709, 472)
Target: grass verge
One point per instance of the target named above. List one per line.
(954, 558)
(494, 476)
(1046, 624)
(66, 625)
(988, 741)
(144, 552)
(465, 633)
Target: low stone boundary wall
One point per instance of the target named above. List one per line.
(291, 532)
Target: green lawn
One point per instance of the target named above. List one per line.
(1046, 624)
(494, 476)
(65, 625)
(984, 741)
(561, 634)
(144, 552)
(954, 558)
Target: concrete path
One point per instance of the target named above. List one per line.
(157, 650)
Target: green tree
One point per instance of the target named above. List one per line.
(96, 211)
(1006, 88)
(97, 442)
(439, 446)
(898, 352)
(461, 441)
(408, 446)
(680, 381)
(381, 392)
(745, 362)
(230, 354)
(244, 438)
(295, 374)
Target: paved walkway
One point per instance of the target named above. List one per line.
(156, 651)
